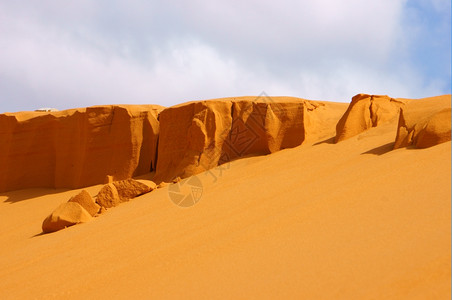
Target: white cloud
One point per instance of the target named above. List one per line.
(80, 53)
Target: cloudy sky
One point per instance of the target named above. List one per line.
(67, 54)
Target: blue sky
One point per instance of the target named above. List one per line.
(67, 54)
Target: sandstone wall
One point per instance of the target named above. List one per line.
(198, 136)
(420, 122)
(78, 147)
(424, 123)
(367, 111)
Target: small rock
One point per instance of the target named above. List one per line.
(108, 179)
(87, 202)
(130, 188)
(65, 215)
(162, 184)
(108, 196)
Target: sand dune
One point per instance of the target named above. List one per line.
(318, 220)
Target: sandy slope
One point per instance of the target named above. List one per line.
(352, 220)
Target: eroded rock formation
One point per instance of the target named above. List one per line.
(367, 111)
(130, 188)
(108, 196)
(424, 123)
(197, 136)
(81, 147)
(78, 147)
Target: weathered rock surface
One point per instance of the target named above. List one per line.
(78, 147)
(149, 183)
(87, 202)
(367, 111)
(82, 147)
(130, 188)
(65, 215)
(108, 196)
(424, 123)
(198, 136)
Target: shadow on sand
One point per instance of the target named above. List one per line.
(23, 195)
(380, 150)
(327, 141)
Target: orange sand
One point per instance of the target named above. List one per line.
(352, 220)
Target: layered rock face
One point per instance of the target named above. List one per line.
(421, 123)
(78, 147)
(424, 123)
(198, 136)
(367, 111)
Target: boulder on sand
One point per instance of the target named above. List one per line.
(65, 215)
(108, 196)
(87, 202)
(130, 188)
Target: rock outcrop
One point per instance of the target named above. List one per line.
(424, 123)
(197, 136)
(87, 202)
(436, 131)
(130, 188)
(114, 193)
(65, 215)
(108, 196)
(82, 147)
(77, 148)
(367, 111)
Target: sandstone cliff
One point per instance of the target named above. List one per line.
(367, 111)
(424, 123)
(420, 122)
(198, 136)
(78, 147)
